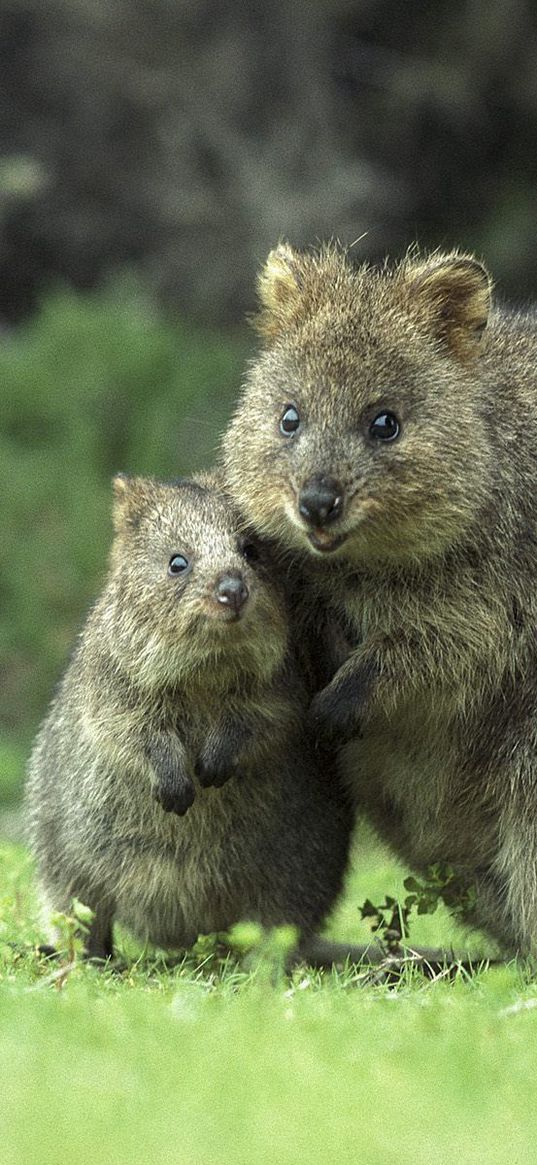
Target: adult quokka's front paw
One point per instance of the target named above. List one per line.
(330, 720)
(175, 796)
(337, 712)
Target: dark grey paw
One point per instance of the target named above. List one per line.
(330, 720)
(212, 774)
(175, 798)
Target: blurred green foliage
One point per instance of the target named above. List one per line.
(93, 385)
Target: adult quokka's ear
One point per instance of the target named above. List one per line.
(279, 288)
(453, 293)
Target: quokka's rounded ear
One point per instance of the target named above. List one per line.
(279, 291)
(454, 293)
(124, 502)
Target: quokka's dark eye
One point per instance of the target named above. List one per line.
(178, 564)
(385, 427)
(290, 421)
(250, 551)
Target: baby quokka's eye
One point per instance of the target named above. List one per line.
(384, 427)
(178, 564)
(290, 421)
(250, 551)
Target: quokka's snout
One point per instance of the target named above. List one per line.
(320, 501)
(231, 594)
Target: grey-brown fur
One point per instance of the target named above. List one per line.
(427, 548)
(169, 692)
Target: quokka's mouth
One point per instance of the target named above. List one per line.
(221, 620)
(224, 616)
(325, 542)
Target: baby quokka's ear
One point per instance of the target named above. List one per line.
(279, 287)
(453, 292)
(126, 503)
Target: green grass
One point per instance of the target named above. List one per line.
(218, 1062)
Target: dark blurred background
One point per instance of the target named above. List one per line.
(151, 152)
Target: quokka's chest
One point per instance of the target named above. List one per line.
(370, 606)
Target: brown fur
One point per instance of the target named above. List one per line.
(168, 693)
(431, 563)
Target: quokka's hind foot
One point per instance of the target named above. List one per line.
(431, 961)
(47, 951)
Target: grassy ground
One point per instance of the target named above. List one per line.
(219, 1062)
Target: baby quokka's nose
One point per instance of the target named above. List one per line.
(231, 591)
(320, 501)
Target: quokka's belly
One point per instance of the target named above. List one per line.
(162, 904)
(173, 878)
(414, 789)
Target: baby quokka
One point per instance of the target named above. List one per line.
(387, 435)
(172, 785)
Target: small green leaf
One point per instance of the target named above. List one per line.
(367, 910)
(82, 912)
(283, 939)
(245, 936)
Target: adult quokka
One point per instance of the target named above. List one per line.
(386, 434)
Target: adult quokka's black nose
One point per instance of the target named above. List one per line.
(231, 591)
(320, 501)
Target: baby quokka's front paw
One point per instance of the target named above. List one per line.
(171, 778)
(173, 794)
(223, 751)
(337, 712)
(217, 762)
(213, 773)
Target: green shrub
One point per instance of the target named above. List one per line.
(95, 384)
